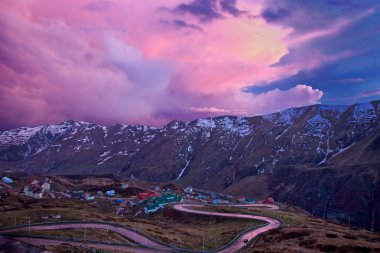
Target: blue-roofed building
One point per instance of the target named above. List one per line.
(7, 180)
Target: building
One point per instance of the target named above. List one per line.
(78, 195)
(151, 208)
(159, 202)
(146, 195)
(7, 180)
(188, 189)
(45, 187)
(216, 201)
(34, 181)
(269, 200)
(34, 191)
(110, 193)
(251, 201)
(88, 196)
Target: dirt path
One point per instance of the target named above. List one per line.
(149, 244)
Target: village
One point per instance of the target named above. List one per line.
(99, 211)
(125, 197)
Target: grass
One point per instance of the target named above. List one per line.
(190, 231)
(300, 232)
(168, 226)
(304, 233)
(101, 235)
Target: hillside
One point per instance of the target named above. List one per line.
(319, 157)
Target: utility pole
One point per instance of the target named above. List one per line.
(349, 222)
(84, 235)
(372, 207)
(233, 181)
(29, 227)
(203, 241)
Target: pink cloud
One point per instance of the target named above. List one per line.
(88, 60)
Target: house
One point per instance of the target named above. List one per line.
(146, 195)
(34, 181)
(78, 195)
(168, 198)
(160, 202)
(34, 191)
(56, 216)
(120, 211)
(7, 180)
(241, 199)
(216, 201)
(188, 189)
(110, 193)
(88, 196)
(151, 208)
(269, 200)
(251, 200)
(45, 187)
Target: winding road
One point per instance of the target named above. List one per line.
(145, 243)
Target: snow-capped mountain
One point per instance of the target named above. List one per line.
(197, 151)
(325, 155)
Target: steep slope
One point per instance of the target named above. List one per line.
(203, 150)
(292, 154)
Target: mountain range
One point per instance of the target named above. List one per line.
(323, 158)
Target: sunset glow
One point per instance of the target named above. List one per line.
(150, 62)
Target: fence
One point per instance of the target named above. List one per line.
(239, 235)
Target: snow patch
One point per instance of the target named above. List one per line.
(341, 150)
(317, 126)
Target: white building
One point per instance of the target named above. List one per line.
(45, 187)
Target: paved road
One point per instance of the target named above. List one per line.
(136, 237)
(239, 243)
(150, 245)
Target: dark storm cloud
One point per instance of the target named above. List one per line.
(350, 52)
(182, 24)
(275, 14)
(304, 16)
(229, 6)
(205, 10)
(344, 3)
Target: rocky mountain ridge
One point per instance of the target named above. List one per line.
(312, 135)
(319, 157)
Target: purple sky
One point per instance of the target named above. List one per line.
(149, 62)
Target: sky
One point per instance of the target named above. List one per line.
(150, 62)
